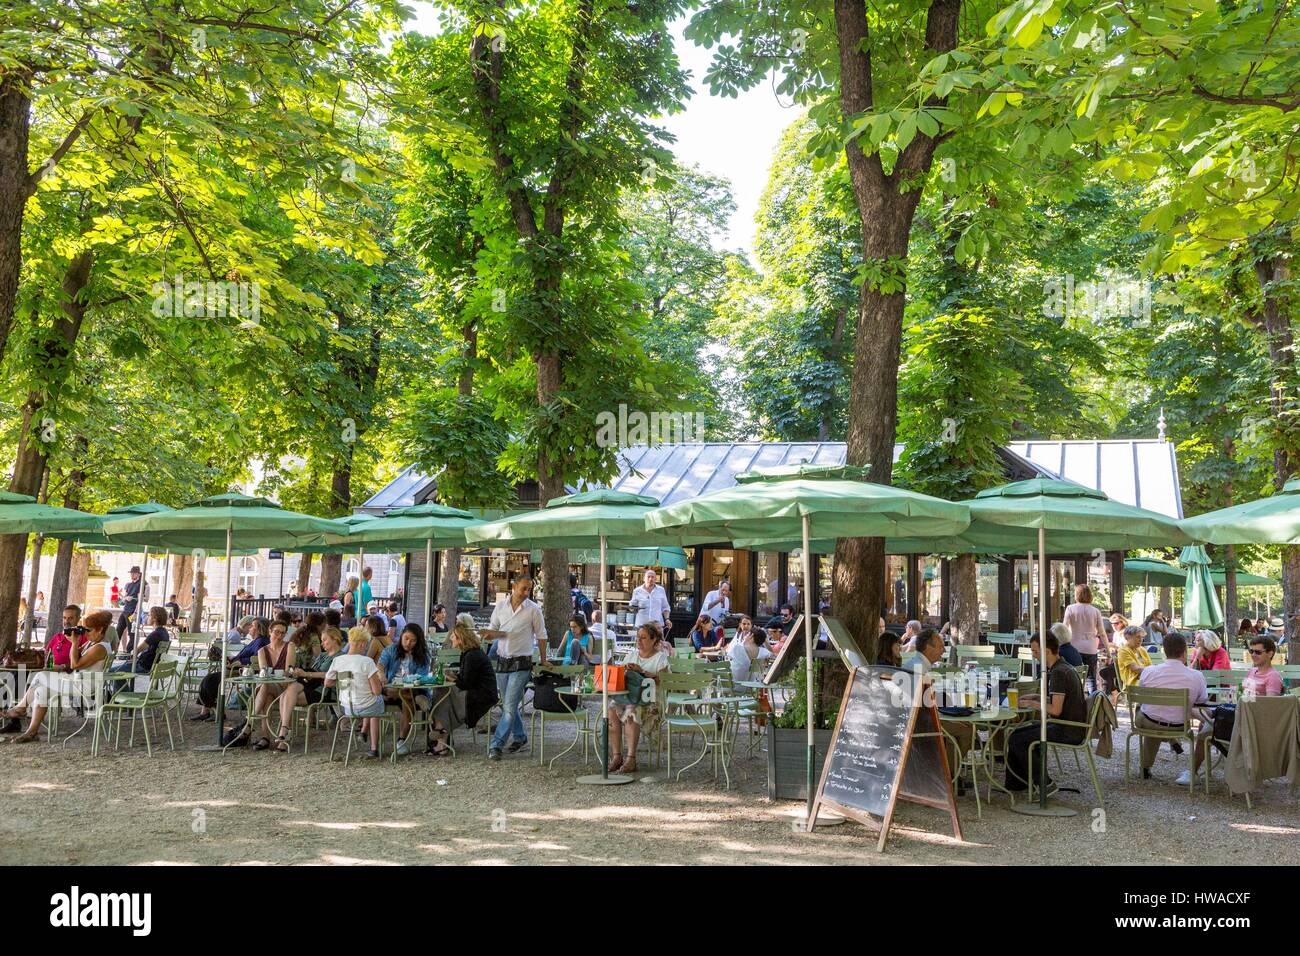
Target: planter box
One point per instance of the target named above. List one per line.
(787, 761)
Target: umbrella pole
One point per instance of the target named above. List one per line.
(167, 567)
(604, 777)
(1042, 675)
(428, 583)
(225, 649)
(808, 651)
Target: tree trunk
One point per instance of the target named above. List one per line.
(557, 601)
(448, 580)
(15, 188)
(77, 579)
(886, 207)
(63, 557)
(331, 575)
(182, 570)
(29, 466)
(200, 592)
(304, 573)
(965, 599)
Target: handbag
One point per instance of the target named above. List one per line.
(611, 678)
(547, 698)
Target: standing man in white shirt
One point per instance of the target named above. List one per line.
(650, 602)
(518, 627)
(717, 603)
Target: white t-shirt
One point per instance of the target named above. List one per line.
(358, 696)
(652, 606)
(719, 611)
(741, 663)
(656, 662)
(523, 626)
(399, 622)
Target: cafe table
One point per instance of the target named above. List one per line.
(246, 686)
(405, 687)
(981, 756)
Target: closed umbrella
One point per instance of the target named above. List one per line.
(220, 523)
(803, 503)
(430, 526)
(1201, 606)
(599, 518)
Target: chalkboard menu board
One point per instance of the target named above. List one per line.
(885, 749)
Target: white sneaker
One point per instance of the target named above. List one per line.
(402, 749)
(1184, 778)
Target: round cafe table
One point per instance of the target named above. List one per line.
(406, 689)
(980, 757)
(582, 696)
(246, 688)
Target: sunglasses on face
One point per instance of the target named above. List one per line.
(1256, 653)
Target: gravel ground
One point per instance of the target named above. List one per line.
(58, 806)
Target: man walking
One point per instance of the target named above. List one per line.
(650, 602)
(518, 626)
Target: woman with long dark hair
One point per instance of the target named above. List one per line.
(406, 657)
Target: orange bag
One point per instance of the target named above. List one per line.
(616, 674)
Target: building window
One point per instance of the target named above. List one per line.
(930, 600)
(721, 564)
(469, 579)
(394, 576)
(896, 589)
(794, 581)
(683, 593)
(350, 567)
(1100, 583)
(767, 576)
(1062, 583)
(987, 585)
(248, 572)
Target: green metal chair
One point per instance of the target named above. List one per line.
(964, 651)
(1091, 726)
(1161, 697)
(387, 722)
(140, 704)
(677, 716)
(577, 716)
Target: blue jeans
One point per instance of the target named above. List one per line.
(510, 688)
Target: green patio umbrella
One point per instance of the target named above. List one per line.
(1153, 571)
(590, 518)
(24, 515)
(665, 557)
(807, 502)
(1271, 520)
(429, 526)
(1201, 606)
(1069, 517)
(1244, 579)
(220, 523)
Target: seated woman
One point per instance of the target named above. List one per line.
(1067, 652)
(705, 636)
(1132, 657)
(1210, 654)
(1246, 628)
(308, 685)
(406, 657)
(87, 653)
(474, 693)
(744, 652)
(274, 656)
(377, 630)
(577, 642)
(438, 622)
(626, 716)
(364, 695)
(891, 650)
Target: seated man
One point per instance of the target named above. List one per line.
(929, 651)
(1173, 673)
(1065, 701)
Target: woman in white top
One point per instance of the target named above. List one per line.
(81, 677)
(1088, 631)
(363, 695)
(647, 658)
(743, 653)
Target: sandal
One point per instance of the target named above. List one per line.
(281, 744)
(628, 766)
(262, 743)
(615, 761)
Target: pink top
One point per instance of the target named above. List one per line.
(1086, 627)
(60, 648)
(1265, 685)
(1218, 661)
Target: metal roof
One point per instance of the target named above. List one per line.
(1138, 472)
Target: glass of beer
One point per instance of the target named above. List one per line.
(1013, 696)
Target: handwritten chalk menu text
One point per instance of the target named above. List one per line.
(886, 747)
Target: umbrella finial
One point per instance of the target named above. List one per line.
(1160, 425)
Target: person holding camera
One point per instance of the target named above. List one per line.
(88, 648)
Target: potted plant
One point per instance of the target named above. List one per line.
(787, 733)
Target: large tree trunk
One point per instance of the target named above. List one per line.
(965, 599)
(558, 602)
(77, 579)
(63, 557)
(29, 466)
(331, 575)
(181, 574)
(886, 207)
(15, 188)
(304, 573)
(448, 581)
(200, 593)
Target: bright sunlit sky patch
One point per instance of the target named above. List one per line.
(732, 138)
